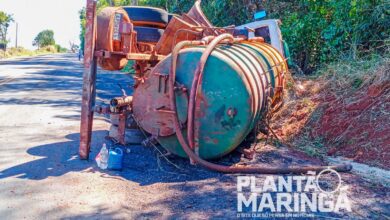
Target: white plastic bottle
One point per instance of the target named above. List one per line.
(103, 157)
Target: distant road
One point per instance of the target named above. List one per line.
(40, 100)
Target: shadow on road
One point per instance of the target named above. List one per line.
(56, 159)
(144, 165)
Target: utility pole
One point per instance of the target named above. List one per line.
(16, 37)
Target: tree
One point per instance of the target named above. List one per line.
(44, 38)
(5, 20)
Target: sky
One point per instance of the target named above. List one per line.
(33, 16)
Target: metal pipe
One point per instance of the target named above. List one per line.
(195, 84)
(121, 101)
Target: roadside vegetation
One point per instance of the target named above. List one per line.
(342, 110)
(44, 41)
(317, 32)
(5, 21)
(21, 51)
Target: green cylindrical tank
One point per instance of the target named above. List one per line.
(238, 82)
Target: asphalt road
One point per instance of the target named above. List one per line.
(41, 175)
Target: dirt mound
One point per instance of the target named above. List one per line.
(358, 126)
(322, 117)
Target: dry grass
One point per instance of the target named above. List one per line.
(343, 76)
(20, 51)
(307, 97)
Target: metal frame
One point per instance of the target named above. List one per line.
(89, 82)
(90, 70)
(274, 31)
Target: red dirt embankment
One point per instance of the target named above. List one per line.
(321, 118)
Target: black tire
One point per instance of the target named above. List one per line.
(148, 34)
(148, 14)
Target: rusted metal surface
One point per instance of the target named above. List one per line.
(89, 82)
(189, 150)
(196, 14)
(171, 36)
(192, 134)
(117, 41)
(114, 34)
(121, 101)
(149, 24)
(99, 109)
(109, 21)
(152, 108)
(145, 47)
(131, 56)
(122, 128)
(142, 57)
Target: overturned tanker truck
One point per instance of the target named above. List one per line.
(199, 90)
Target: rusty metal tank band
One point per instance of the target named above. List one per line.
(262, 62)
(282, 63)
(193, 126)
(252, 89)
(257, 95)
(255, 73)
(272, 65)
(285, 67)
(221, 168)
(278, 61)
(264, 70)
(172, 73)
(267, 71)
(275, 62)
(195, 84)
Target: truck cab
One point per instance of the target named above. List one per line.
(268, 29)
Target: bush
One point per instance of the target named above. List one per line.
(20, 51)
(318, 32)
(12, 52)
(48, 49)
(60, 49)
